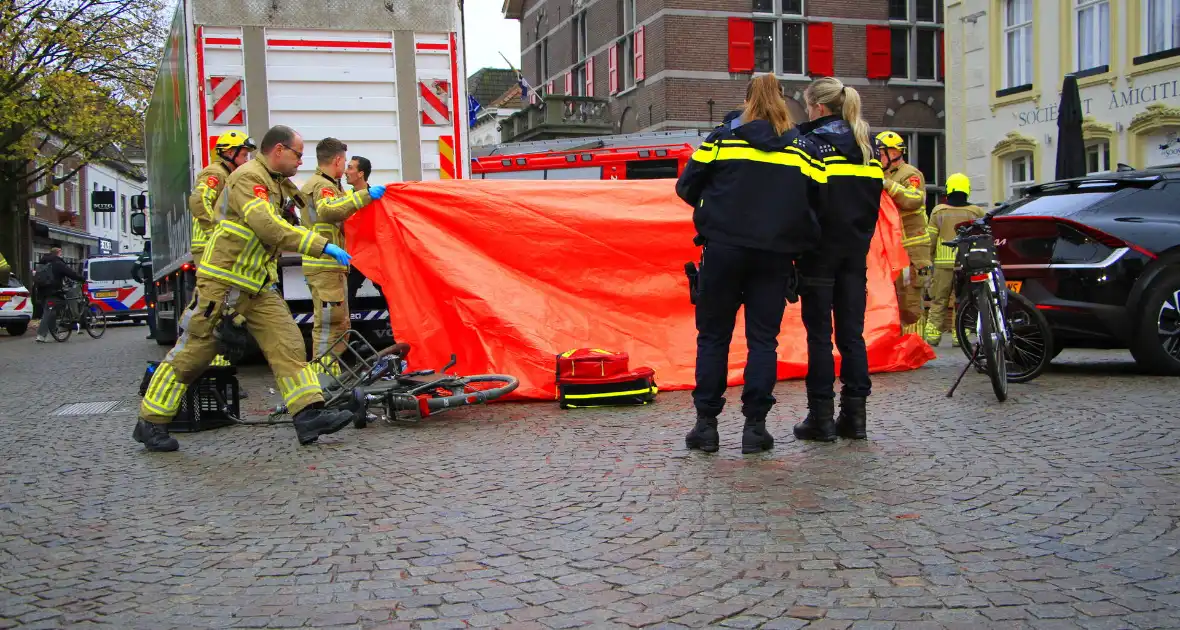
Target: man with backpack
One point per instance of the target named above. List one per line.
(47, 278)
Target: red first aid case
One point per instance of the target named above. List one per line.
(591, 362)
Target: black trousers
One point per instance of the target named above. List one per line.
(731, 277)
(834, 287)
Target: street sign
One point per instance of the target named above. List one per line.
(102, 201)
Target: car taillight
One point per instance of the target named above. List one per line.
(23, 294)
(1093, 233)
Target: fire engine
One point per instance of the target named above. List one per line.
(649, 155)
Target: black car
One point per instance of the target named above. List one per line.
(1100, 257)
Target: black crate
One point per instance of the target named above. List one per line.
(199, 408)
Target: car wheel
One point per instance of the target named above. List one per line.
(1157, 340)
(17, 330)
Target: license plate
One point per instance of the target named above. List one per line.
(105, 294)
(1014, 285)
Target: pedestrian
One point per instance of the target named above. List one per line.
(234, 275)
(49, 279)
(943, 222)
(907, 187)
(835, 275)
(142, 273)
(754, 185)
(327, 279)
(357, 175)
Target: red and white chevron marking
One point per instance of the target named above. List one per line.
(226, 94)
(433, 99)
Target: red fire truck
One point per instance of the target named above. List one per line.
(653, 155)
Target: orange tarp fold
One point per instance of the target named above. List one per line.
(507, 274)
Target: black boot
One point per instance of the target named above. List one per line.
(755, 437)
(851, 423)
(242, 393)
(315, 421)
(704, 435)
(154, 437)
(819, 424)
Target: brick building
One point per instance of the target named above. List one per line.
(676, 64)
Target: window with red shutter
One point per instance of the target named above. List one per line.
(590, 77)
(612, 68)
(640, 45)
(569, 83)
(879, 60)
(820, 49)
(741, 45)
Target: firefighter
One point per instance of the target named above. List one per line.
(907, 187)
(327, 279)
(834, 276)
(234, 275)
(233, 150)
(943, 222)
(754, 185)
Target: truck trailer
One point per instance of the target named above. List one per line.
(386, 78)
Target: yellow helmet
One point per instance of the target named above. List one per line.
(234, 139)
(958, 183)
(889, 140)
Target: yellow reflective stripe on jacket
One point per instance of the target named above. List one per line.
(921, 239)
(780, 158)
(705, 154)
(854, 170)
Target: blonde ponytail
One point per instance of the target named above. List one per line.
(837, 97)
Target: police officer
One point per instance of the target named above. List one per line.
(907, 187)
(232, 150)
(233, 274)
(834, 276)
(326, 278)
(142, 273)
(943, 221)
(753, 185)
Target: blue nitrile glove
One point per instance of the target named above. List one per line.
(377, 191)
(340, 255)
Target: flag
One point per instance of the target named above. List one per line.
(525, 88)
(473, 109)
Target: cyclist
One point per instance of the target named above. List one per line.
(51, 272)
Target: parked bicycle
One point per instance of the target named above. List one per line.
(1001, 333)
(77, 313)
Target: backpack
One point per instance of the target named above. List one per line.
(43, 277)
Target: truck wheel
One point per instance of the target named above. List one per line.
(17, 330)
(1156, 346)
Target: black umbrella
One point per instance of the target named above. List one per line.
(1071, 148)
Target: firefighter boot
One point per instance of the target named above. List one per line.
(851, 423)
(154, 437)
(315, 421)
(933, 334)
(704, 435)
(818, 425)
(755, 437)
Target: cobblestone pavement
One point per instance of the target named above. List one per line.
(1055, 510)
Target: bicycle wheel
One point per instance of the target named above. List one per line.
(966, 323)
(63, 327)
(1030, 340)
(95, 322)
(992, 343)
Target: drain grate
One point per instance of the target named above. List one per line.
(86, 409)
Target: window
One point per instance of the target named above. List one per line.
(925, 151)
(124, 207)
(792, 48)
(579, 80)
(1097, 157)
(788, 7)
(914, 45)
(1093, 34)
(1020, 175)
(580, 39)
(763, 6)
(59, 195)
(542, 63)
(778, 43)
(764, 46)
(1162, 25)
(1017, 49)
(627, 60)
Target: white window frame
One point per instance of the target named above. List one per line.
(1100, 148)
(1024, 43)
(59, 195)
(1170, 15)
(1011, 183)
(778, 10)
(581, 37)
(911, 25)
(627, 62)
(778, 46)
(1100, 32)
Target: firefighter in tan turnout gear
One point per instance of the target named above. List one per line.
(905, 185)
(943, 221)
(327, 279)
(234, 276)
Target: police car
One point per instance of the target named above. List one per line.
(16, 307)
(111, 287)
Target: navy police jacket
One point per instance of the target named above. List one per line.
(751, 187)
(853, 200)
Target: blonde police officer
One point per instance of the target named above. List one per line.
(906, 186)
(329, 207)
(234, 274)
(943, 221)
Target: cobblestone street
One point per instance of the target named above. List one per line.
(1056, 509)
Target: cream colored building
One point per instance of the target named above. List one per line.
(1006, 60)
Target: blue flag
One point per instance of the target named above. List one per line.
(473, 109)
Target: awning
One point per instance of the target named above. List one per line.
(67, 235)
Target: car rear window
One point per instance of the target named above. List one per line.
(111, 270)
(1055, 205)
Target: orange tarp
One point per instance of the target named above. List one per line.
(507, 274)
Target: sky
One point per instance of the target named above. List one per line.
(489, 34)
